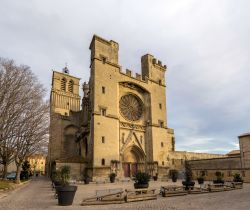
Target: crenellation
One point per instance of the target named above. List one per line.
(138, 76)
(129, 72)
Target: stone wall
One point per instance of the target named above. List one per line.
(244, 141)
(76, 169)
(176, 159)
(227, 165)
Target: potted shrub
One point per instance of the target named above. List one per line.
(141, 180)
(174, 175)
(237, 181)
(112, 177)
(200, 179)
(86, 177)
(219, 178)
(188, 183)
(155, 177)
(66, 192)
(55, 178)
(237, 178)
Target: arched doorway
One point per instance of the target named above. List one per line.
(132, 161)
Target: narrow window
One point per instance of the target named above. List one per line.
(63, 84)
(161, 124)
(103, 139)
(162, 145)
(173, 143)
(103, 90)
(123, 138)
(162, 163)
(160, 106)
(103, 162)
(159, 82)
(103, 112)
(104, 59)
(70, 87)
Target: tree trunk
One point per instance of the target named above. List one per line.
(18, 171)
(5, 170)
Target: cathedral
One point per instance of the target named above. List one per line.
(119, 125)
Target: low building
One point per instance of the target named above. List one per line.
(236, 161)
(37, 163)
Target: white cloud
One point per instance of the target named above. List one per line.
(204, 43)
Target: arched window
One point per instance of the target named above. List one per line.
(63, 84)
(71, 84)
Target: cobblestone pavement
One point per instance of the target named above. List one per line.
(38, 195)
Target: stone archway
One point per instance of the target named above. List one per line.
(133, 161)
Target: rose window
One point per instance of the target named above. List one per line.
(131, 107)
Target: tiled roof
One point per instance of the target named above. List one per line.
(234, 152)
(245, 134)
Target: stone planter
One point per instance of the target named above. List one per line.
(188, 185)
(200, 180)
(139, 185)
(155, 178)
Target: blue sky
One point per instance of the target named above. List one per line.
(205, 45)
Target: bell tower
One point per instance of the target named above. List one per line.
(64, 93)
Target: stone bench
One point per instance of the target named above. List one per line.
(172, 190)
(216, 187)
(198, 190)
(103, 197)
(237, 185)
(140, 195)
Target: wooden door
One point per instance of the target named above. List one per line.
(126, 169)
(134, 168)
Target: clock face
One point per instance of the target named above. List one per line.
(131, 107)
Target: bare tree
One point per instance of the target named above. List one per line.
(23, 113)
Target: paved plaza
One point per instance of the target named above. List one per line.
(39, 195)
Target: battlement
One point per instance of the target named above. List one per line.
(107, 52)
(153, 69)
(152, 60)
(134, 76)
(158, 63)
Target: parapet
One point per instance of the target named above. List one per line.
(151, 59)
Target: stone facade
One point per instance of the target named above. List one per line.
(37, 163)
(122, 126)
(244, 142)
